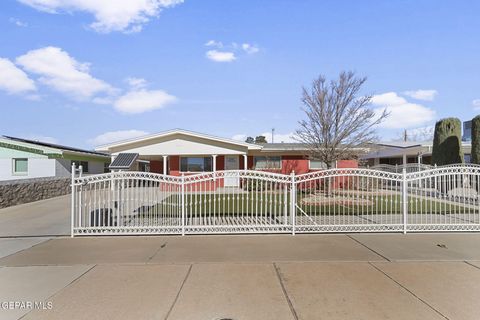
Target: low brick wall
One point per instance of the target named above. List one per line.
(15, 192)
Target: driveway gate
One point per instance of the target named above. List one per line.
(335, 200)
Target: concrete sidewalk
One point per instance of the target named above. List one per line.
(361, 276)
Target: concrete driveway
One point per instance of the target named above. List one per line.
(29, 224)
(50, 217)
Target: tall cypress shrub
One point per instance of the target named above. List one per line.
(476, 140)
(447, 142)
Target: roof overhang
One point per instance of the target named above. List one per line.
(401, 148)
(28, 147)
(47, 149)
(401, 145)
(145, 140)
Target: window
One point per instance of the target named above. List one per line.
(84, 165)
(144, 166)
(20, 166)
(196, 164)
(317, 165)
(267, 162)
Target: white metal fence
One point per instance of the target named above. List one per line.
(409, 167)
(415, 167)
(244, 201)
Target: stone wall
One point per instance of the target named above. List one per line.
(15, 192)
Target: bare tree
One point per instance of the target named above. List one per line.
(339, 122)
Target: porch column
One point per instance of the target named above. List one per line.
(214, 168)
(245, 162)
(214, 156)
(404, 159)
(165, 158)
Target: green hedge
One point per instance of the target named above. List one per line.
(447, 142)
(476, 140)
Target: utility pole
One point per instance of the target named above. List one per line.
(273, 132)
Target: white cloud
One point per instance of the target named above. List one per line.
(58, 70)
(249, 48)
(114, 136)
(18, 22)
(426, 95)
(389, 98)
(110, 15)
(277, 137)
(476, 104)
(104, 100)
(13, 79)
(421, 134)
(228, 52)
(136, 83)
(220, 56)
(138, 101)
(63, 73)
(403, 114)
(213, 43)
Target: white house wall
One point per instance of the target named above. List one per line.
(37, 168)
(38, 165)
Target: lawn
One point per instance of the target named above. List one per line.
(276, 204)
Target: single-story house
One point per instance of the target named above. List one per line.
(180, 151)
(23, 158)
(404, 152)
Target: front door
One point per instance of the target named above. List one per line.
(231, 178)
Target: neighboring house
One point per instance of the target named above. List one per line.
(22, 159)
(180, 151)
(403, 152)
(467, 131)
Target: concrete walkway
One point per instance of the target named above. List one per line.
(359, 276)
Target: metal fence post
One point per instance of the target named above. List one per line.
(73, 200)
(404, 199)
(293, 201)
(183, 204)
(120, 186)
(80, 197)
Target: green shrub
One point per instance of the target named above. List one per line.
(476, 140)
(447, 142)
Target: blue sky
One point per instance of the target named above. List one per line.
(82, 73)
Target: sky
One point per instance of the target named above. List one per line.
(86, 73)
